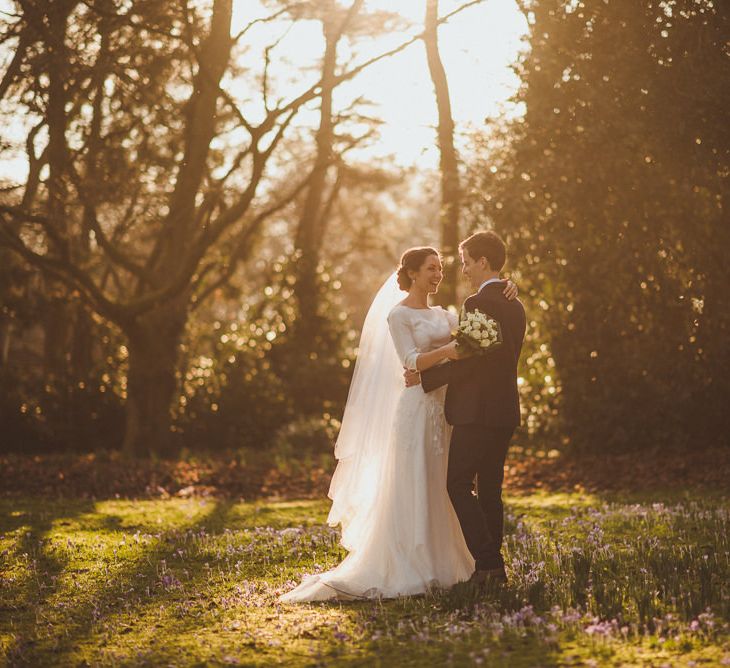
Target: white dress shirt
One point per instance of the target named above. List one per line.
(487, 282)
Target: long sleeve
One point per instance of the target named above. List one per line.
(402, 335)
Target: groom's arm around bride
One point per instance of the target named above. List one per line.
(483, 388)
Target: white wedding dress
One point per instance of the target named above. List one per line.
(389, 487)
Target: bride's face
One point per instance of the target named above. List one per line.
(428, 277)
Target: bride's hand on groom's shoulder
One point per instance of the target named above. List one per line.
(511, 291)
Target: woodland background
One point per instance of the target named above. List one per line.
(178, 275)
(192, 225)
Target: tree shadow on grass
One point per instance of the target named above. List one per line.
(225, 612)
(35, 569)
(213, 602)
(31, 568)
(119, 594)
(153, 606)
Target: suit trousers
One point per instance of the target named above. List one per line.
(477, 451)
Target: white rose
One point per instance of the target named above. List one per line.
(484, 343)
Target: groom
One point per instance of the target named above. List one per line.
(482, 404)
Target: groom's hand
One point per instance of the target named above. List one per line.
(412, 378)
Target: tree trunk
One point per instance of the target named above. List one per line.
(58, 160)
(82, 345)
(309, 233)
(57, 330)
(58, 317)
(450, 189)
(313, 219)
(5, 338)
(154, 341)
(154, 336)
(200, 128)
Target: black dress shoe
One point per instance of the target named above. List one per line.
(489, 576)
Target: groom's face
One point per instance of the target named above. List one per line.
(473, 270)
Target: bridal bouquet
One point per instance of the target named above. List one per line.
(477, 333)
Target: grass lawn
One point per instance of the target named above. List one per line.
(595, 580)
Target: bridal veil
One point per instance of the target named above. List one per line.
(362, 448)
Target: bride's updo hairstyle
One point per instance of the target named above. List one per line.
(412, 260)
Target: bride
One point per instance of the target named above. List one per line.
(388, 490)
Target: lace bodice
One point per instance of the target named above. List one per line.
(416, 331)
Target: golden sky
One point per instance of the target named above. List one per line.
(477, 48)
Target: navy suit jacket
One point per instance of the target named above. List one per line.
(483, 388)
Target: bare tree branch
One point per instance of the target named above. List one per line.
(266, 19)
(35, 166)
(259, 161)
(60, 242)
(14, 66)
(267, 63)
(315, 89)
(64, 270)
(111, 250)
(459, 9)
(243, 246)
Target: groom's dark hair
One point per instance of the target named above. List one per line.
(488, 245)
